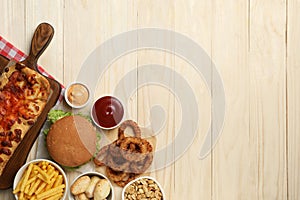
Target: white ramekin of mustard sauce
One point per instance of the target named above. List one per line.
(77, 95)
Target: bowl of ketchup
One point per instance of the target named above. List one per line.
(107, 112)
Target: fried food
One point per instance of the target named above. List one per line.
(119, 177)
(39, 181)
(126, 157)
(135, 149)
(133, 125)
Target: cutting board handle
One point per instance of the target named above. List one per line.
(40, 41)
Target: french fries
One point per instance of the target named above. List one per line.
(40, 181)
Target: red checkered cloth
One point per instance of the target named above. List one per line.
(11, 52)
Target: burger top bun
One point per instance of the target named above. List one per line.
(71, 141)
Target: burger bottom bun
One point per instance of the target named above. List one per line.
(71, 141)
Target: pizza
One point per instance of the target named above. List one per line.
(23, 96)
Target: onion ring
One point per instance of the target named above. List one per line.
(115, 175)
(114, 148)
(135, 127)
(123, 183)
(141, 166)
(135, 149)
(129, 177)
(118, 163)
(120, 178)
(126, 157)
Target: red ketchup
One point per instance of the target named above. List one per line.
(107, 112)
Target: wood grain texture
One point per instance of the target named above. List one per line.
(51, 12)
(254, 45)
(40, 40)
(96, 22)
(267, 62)
(194, 20)
(293, 99)
(14, 14)
(150, 95)
(20, 154)
(233, 159)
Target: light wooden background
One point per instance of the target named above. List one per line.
(255, 45)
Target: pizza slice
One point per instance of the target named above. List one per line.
(23, 95)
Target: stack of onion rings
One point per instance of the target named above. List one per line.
(126, 157)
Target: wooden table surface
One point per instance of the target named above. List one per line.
(254, 45)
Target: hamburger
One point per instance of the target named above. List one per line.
(71, 141)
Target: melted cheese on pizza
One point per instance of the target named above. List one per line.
(23, 96)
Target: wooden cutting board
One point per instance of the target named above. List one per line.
(40, 41)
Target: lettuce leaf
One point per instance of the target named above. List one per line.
(55, 115)
(46, 131)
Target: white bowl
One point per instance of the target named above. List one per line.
(143, 177)
(111, 196)
(24, 167)
(95, 121)
(66, 95)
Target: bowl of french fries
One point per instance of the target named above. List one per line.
(40, 179)
(91, 185)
